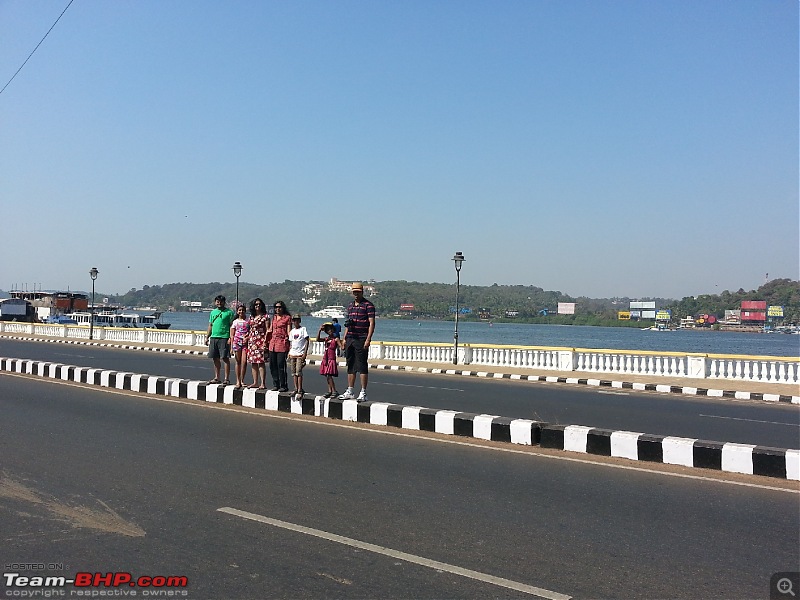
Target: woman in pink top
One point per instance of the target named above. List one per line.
(279, 346)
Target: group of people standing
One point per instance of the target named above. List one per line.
(280, 340)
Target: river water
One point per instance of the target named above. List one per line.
(569, 336)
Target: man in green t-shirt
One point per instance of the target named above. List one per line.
(218, 338)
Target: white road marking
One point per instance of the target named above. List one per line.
(613, 393)
(750, 420)
(424, 387)
(412, 558)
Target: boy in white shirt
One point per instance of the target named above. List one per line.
(298, 350)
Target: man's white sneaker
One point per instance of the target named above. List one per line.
(348, 394)
(362, 397)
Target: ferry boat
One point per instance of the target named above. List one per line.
(330, 312)
(659, 327)
(108, 318)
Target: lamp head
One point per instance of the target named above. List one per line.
(458, 259)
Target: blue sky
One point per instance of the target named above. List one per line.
(599, 148)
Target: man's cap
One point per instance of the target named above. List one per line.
(296, 318)
(327, 324)
(357, 285)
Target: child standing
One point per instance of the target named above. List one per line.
(239, 331)
(329, 367)
(298, 350)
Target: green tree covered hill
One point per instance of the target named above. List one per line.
(435, 300)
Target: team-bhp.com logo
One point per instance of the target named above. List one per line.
(93, 584)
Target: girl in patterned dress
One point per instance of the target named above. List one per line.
(257, 342)
(329, 367)
(239, 330)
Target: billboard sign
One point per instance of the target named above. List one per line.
(566, 308)
(624, 315)
(754, 305)
(648, 314)
(663, 315)
(775, 311)
(754, 315)
(734, 317)
(650, 304)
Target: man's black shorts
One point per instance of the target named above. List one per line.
(218, 348)
(356, 356)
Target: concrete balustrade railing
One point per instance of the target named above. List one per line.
(763, 369)
(752, 368)
(125, 335)
(663, 364)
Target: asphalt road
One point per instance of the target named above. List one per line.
(723, 420)
(98, 481)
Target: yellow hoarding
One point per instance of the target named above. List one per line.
(775, 311)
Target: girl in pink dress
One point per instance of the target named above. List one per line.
(239, 330)
(329, 367)
(257, 342)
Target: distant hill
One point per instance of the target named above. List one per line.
(435, 300)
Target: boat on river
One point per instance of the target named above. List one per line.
(107, 318)
(330, 312)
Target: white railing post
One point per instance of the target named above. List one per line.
(567, 360)
(697, 366)
(467, 357)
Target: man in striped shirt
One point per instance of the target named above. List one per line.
(358, 330)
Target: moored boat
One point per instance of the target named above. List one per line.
(108, 318)
(330, 312)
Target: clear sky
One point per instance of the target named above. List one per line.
(602, 147)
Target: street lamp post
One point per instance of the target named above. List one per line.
(93, 274)
(237, 271)
(458, 259)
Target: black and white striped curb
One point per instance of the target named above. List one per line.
(646, 387)
(736, 458)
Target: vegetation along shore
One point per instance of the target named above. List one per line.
(500, 303)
